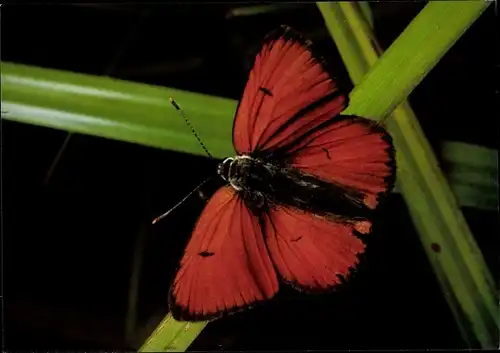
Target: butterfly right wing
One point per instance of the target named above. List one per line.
(226, 265)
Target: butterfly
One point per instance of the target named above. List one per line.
(303, 185)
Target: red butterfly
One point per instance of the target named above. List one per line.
(305, 179)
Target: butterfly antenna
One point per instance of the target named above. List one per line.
(176, 106)
(179, 203)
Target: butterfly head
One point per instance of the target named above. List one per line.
(231, 170)
(224, 167)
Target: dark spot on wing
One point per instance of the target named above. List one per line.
(297, 239)
(327, 153)
(266, 91)
(205, 254)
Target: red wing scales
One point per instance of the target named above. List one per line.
(308, 251)
(287, 94)
(226, 265)
(352, 152)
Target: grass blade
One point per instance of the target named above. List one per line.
(116, 109)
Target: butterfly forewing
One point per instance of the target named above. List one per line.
(226, 265)
(288, 93)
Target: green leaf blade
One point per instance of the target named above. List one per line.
(116, 109)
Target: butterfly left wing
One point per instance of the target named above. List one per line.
(288, 93)
(226, 265)
(308, 251)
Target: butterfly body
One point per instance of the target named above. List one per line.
(264, 183)
(304, 183)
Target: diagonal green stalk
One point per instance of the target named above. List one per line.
(172, 336)
(460, 267)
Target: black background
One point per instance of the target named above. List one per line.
(69, 245)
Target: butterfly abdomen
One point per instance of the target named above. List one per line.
(264, 184)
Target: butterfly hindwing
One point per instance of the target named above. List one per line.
(308, 251)
(226, 265)
(287, 94)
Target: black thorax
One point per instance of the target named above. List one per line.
(264, 184)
